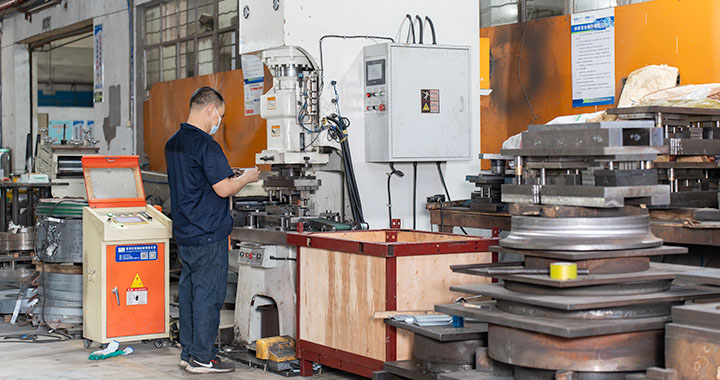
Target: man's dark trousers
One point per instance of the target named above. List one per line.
(202, 288)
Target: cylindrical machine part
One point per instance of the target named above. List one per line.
(497, 166)
(20, 241)
(62, 298)
(518, 170)
(580, 234)
(634, 351)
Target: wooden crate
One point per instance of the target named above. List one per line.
(345, 278)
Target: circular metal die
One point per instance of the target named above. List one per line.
(454, 353)
(625, 352)
(580, 234)
(21, 241)
(621, 312)
(522, 373)
(621, 289)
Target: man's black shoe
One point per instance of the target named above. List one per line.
(214, 366)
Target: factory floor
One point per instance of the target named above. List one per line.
(69, 360)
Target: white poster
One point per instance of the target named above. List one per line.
(253, 75)
(98, 64)
(593, 57)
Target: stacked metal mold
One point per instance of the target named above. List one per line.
(488, 184)
(692, 136)
(59, 249)
(572, 203)
(17, 271)
(600, 164)
(16, 248)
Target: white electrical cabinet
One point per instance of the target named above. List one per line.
(417, 102)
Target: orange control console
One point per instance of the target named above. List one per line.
(125, 255)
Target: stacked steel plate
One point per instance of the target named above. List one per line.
(571, 203)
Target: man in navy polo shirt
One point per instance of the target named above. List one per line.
(200, 183)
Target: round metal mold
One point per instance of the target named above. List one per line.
(626, 288)
(451, 353)
(623, 312)
(21, 241)
(580, 234)
(522, 373)
(625, 352)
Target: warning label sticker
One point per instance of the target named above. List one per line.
(430, 100)
(275, 131)
(271, 103)
(137, 296)
(137, 282)
(137, 293)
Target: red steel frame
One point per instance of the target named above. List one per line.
(309, 352)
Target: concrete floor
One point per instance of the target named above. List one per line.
(69, 360)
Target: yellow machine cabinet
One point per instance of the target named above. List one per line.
(125, 255)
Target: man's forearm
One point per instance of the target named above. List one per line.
(237, 184)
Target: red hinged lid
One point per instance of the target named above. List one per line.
(113, 181)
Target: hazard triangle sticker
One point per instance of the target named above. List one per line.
(137, 282)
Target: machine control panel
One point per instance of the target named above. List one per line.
(375, 79)
(257, 255)
(128, 219)
(417, 102)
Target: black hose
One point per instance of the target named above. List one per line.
(447, 193)
(342, 123)
(432, 29)
(389, 204)
(412, 28)
(420, 24)
(415, 165)
(392, 172)
(33, 338)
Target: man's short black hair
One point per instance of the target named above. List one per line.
(204, 96)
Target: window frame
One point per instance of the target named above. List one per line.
(214, 34)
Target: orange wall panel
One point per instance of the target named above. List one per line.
(680, 33)
(240, 136)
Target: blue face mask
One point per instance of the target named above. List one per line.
(215, 127)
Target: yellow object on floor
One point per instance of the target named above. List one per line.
(563, 271)
(277, 349)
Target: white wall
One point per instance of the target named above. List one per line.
(16, 118)
(15, 95)
(456, 23)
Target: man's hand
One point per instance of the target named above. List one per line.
(230, 186)
(251, 175)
